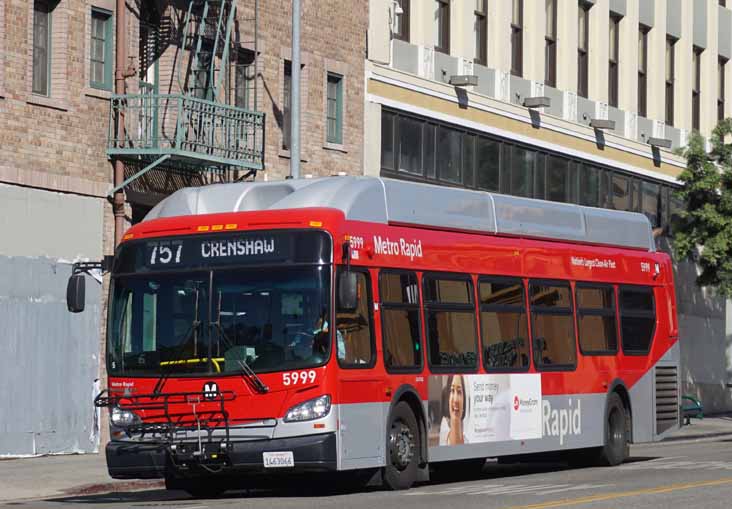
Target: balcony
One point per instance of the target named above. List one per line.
(184, 132)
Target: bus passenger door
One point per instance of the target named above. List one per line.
(361, 419)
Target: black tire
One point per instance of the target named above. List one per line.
(402, 448)
(616, 448)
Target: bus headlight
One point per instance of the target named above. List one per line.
(123, 418)
(309, 410)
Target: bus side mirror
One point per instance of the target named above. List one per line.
(347, 291)
(76, 293)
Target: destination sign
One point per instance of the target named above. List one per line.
(203, 251)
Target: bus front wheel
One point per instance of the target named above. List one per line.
(616, 448)
(402, 448)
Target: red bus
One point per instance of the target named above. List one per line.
(381, 326)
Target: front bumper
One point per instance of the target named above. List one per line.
(131, 460)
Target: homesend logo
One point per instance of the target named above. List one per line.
(562, 422)
(404, 248)
(524, 405)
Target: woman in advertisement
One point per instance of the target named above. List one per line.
(454, 406)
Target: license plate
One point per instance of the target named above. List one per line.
(278, 459)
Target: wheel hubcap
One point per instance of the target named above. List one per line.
(401, 445)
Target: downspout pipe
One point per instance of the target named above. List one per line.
(118, 201)
(295, 99)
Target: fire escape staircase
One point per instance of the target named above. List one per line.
(192, 130)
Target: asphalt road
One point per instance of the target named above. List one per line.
(671, 475)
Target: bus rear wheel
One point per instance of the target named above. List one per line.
(402, 448)
(616, 448)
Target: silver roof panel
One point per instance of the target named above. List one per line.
(382, 200)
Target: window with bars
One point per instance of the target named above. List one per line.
(334, 114)
(696, 88)
(100, 50)
(401, 22)
(42, 47)
(614, 63)
(443, 26)
(583, 29)
(481, 32)
(550, 41)
(517, 29)
(670, 77)
(643, 71)
(721, 68)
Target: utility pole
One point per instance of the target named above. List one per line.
(118, 203)
(295, 99)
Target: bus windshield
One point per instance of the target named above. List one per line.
(214, 322)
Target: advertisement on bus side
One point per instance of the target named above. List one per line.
(470, 409)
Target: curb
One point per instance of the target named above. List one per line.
(696, 437)
(123, 486)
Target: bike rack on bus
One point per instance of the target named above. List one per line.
(161, 419)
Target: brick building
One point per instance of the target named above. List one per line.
(56, 82)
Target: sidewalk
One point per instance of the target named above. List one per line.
(62, 475)
(58, 476)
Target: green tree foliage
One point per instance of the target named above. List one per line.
(703, 231)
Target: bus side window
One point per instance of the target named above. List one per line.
(504, 325)
(400, 329)
(450, 315)
(637, 319)
(596, 324)
(354, 337)
(552, 325)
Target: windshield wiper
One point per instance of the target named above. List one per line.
(246, 370)
(178, 355)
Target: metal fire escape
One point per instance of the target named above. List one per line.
(194, 131)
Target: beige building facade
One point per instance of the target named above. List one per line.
(566, 100)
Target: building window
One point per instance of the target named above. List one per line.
(517, 27)
(400, 323)
(550, 40)
(721, 63)
(334, 114)
(670, 73)
(614, 64)
(552, 323)
(101, 50)
(443, 26)
(643, 71)
(696, 88)
(42, 47)
(287, 97)
(450, 314)
(582, 49)
(481, 32)
(401, 21)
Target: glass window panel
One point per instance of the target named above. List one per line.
(652, 203)
(505, 339)
(410, 145)
(633, 300)
(554, 343)
(637, 333)
(488, 164)
(448, 154)
(452, 339)
(387, 140)
(429, 150)
(522, 171)
(589, 186)
(597, 333)
(41, 43)
(516, 14)
(502, 293)
(354, 345)
(620, 193)
(400, 330)
(452, 291)
(596, 298)
(398, 288)
(540, 177)
(582, 27)
(550, 18)
(556, 179)
(547, 296)
(468, 160)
